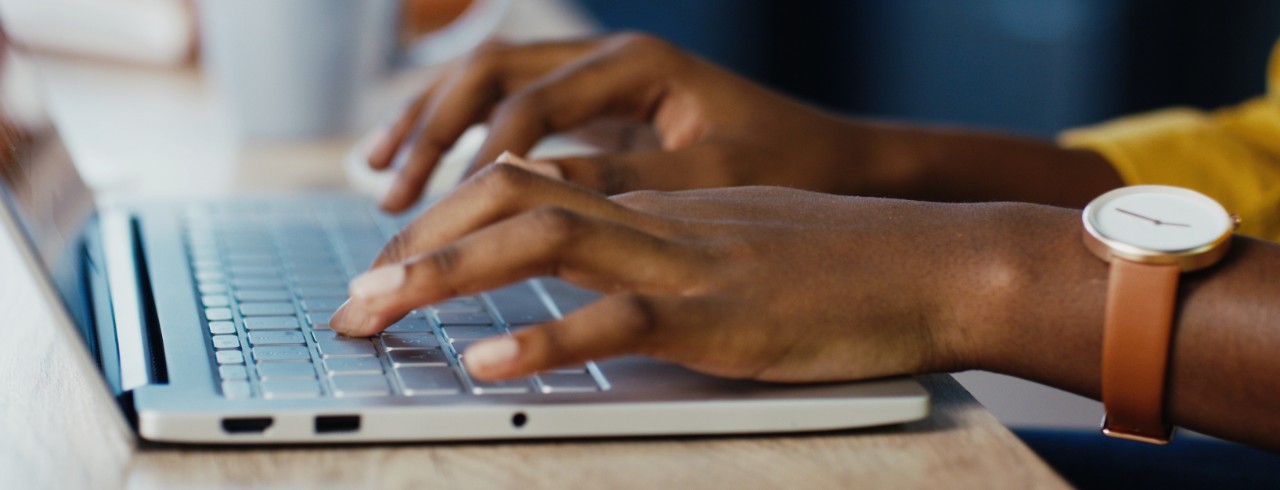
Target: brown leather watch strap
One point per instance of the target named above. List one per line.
(1135, 349)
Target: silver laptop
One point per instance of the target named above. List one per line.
(208, 321)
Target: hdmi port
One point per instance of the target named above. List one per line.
(246, 425)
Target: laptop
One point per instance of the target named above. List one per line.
(208, 323)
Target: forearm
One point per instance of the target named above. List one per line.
(938, 164)
(1044, 323)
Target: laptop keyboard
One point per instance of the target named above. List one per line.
(270, 277)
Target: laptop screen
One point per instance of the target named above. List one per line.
(40, 187)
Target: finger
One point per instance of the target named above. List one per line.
(500, 192)
(384, 151)
(614, 326)
(552, 241)
(465, 98)
(541, 167)
(611, 82)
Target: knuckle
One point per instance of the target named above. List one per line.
(639, 316)
(443, 261)
(505, 179)
(642, 42)
(554, 348)
(558, 223)
(642, 199)
(398, 246)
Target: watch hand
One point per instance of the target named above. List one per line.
(1131, 213)
(1153, 220)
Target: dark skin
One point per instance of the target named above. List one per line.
(865, 287)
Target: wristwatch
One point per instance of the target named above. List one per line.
(1149, 234)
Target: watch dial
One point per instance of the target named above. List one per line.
(1160, 221)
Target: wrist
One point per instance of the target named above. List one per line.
(1028, 299)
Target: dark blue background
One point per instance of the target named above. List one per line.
(1033, 66)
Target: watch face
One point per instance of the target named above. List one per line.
(1159, 218)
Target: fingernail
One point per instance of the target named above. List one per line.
(491, 354)
(508, 157)
(377, 282)
(340, 321)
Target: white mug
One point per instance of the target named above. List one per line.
(295, 69)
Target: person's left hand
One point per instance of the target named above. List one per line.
(754, 282)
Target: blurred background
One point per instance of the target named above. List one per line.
(139, 88)
(1034, 67)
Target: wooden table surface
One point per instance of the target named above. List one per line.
(155, 132)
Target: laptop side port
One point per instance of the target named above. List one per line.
(326, 424)
(246, 425)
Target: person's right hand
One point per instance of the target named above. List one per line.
(766, 283)
(716, 129)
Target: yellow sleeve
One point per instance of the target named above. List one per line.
(1231, 155)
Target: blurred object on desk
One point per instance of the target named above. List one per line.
(298, 69)
(153, 32)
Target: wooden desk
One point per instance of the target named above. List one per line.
(152, 132)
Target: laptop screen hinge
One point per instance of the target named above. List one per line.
(138, 338)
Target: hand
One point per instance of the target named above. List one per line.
(756, 282)
(715, 128)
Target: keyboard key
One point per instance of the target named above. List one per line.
(567, 383)
(322, 304)
(229, 357)
(460, 305)
(428, 380)
(236, 389)
(233, 371)
(290, 388)
(568, 297)
(431, 357)
(504, 387)
(254, 295)
(216, 314)
(286, 370)
(317, 268)
(257, 283)
(346, 347)
(410, 341)
(262, 271)
(470, 333)
(311, 292)
(276, 353)
(266, 309)
(210, 277)
(222, 328)
(272, 323)
(447, 318)
(320, 318)
(360, 385)
(410, 325)
(520, 304)
(276, 337)
(226, 342)
(330, 280)
(353, 365)
(213, 288)
(461, 346)
(578, 369)
(210, 301)
(251, 259)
